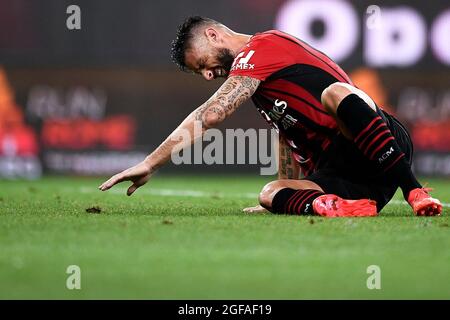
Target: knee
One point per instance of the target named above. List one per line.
(268, 192)
(333, 95)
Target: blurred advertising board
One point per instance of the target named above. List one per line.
(98, 99)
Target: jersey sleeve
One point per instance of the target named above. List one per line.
(259, 59)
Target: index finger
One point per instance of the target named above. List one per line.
(112, 181)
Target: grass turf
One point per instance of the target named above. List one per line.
(199, 245)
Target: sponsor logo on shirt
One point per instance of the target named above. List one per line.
(277, 113)
(278, 109)
(242, 63)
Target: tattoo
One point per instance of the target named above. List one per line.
(288, 169)
(235, 91)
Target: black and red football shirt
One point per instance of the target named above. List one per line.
(293, 76)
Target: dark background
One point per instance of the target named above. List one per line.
(121, 57)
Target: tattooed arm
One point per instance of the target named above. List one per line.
(234, 91)
(288, 168)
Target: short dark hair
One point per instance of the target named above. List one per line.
(184, 37)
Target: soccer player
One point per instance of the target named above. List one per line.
(353, 156)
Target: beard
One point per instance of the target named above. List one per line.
(225, 58)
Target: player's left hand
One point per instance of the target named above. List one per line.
(138, 174)
(256, 209)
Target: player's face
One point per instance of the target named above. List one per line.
(211, 64)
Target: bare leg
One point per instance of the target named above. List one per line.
(270, 190)
(332, 97)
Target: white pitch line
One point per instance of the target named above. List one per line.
(203, 194)
(447, 205)
(178, 193)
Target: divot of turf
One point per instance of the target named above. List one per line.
(94, 209)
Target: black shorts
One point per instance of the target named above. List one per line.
(347, 173)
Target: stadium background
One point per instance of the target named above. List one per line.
(97, 100)
(76, 103)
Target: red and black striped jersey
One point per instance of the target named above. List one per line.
(293, 76)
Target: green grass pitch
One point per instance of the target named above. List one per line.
(187, 238)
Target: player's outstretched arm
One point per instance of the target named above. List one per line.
(233, 92)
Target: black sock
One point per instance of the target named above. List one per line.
(374, 139)
(293, 201)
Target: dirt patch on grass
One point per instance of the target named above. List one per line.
(95, 209)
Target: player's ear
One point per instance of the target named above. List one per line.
(212, 35)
